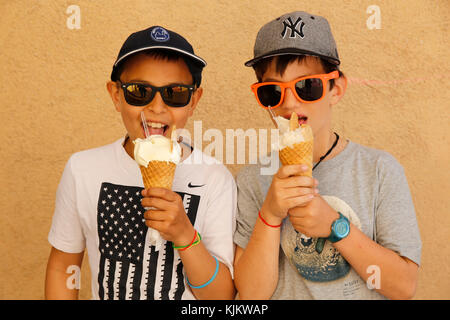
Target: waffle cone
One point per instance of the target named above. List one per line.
(300, 153)
(158, 174)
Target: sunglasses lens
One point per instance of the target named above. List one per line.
(309, 89)
(269, 95)
(176, 96)
(138, 95)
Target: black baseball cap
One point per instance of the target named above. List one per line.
(157, 37)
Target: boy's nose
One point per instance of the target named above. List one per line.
(290, 101)
(157, 105)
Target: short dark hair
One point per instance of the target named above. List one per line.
(169, 55)
(282, 61)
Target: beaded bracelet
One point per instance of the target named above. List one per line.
(209, 281)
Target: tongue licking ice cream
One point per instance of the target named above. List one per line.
(296, 142)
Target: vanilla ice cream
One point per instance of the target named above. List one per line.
(156, 148)
(288, 138)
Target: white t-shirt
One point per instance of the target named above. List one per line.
(98, 207)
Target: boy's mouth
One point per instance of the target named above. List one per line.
(156, 128)
(302, 119)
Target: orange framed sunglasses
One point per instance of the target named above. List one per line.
(307, 89)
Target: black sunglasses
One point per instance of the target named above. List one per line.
(141, 94)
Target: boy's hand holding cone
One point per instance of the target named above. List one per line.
(157, 157)
(288, 190)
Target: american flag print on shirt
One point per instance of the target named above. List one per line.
(129, 266)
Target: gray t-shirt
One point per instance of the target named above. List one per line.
(369, 187)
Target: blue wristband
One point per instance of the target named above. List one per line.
(209, 281)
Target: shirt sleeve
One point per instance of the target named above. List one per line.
(395, 218)
(249, 202)
(66, 233)
(220, 219)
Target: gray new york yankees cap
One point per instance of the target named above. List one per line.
(295, 33)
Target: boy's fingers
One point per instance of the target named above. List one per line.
(157, 225)
(155, 202)
(299, 181)
(155, 215)
(298, 192)
(288, 170)
(299, 201)
(291, 170)
(163, 193)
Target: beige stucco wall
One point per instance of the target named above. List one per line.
(53, 102)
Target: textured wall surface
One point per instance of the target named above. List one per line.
(54, 102)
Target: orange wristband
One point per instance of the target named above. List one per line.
(265, 222)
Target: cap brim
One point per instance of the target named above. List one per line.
(193, 56)
(293, 51)
(186, 53)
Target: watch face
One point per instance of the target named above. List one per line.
(341, 228)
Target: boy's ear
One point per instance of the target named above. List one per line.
(196, 96)
(114, 92)
(339, 88)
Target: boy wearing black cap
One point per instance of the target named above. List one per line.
(100, 200)
(362, 207)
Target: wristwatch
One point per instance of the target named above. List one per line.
(339, 229)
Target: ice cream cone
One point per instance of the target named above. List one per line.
(158, 174)
(157, 157)
(301, 152)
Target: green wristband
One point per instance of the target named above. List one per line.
(191, 244)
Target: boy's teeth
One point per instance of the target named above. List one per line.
(155, 125)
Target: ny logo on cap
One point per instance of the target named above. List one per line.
(160, 34)
(288, 24)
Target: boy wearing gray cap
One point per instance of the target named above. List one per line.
(354, 235)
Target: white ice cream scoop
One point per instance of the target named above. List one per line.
(290, 132)
(156, 148)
